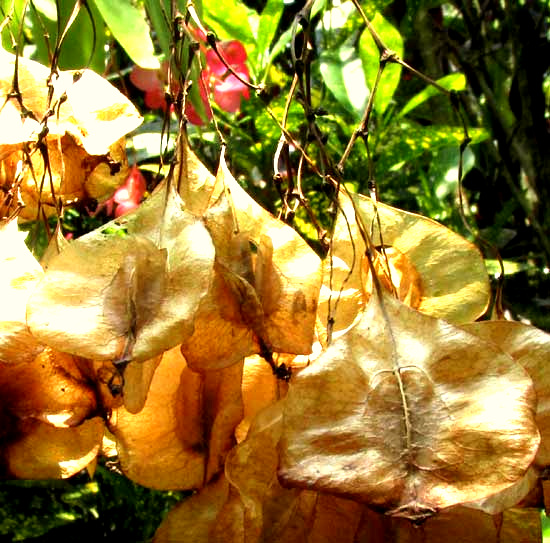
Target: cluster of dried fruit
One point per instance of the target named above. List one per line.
(159, 336)
(62, 137)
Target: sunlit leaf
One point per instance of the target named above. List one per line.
(96, 113)
(193, 180)
(343, 74)
(370, 56)
(219, 315)
(260, 389)
(11, 25)
(510, 267)
(257, 508)
(288, 286)
(68, 142)
(230, 20)
(57, 244)
(267, 28)
(80, 49)
(255, 484)
(228, 525)
(69, 174)
(270, 512)
(530, 347)
(103, 179)
(370, 8)
(509, 497)
(16, 130)
(469, 526)
(222, 411)
(137, 380)
(412, 140)
(129, 26)
(456, 82)
(156, 12)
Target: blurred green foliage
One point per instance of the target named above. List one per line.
(105, 507)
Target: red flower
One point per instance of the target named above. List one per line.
(215, 80)
(127, 197)
(225, 87)
(152, 82)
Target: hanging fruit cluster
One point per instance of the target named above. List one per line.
(203, 342)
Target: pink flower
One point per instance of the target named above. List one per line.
(234, 54)
(127, 197)
(227, 90)
(215, 80)
(152, 82)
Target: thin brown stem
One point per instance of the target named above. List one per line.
(362, 129)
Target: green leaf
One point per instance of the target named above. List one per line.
(412, 141)
(343, 74)
(545, 521)
(280, 45)
(13, 9)
(370, 8)
(267, 27)
(160, 17)
(230, 20)
(76, 50)
(318, 6)
(443, 172)
(455, 82)
(370, 57)
(510, 267)
(156, 10)
(286, 36)
(129, 27)
(147, 142)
